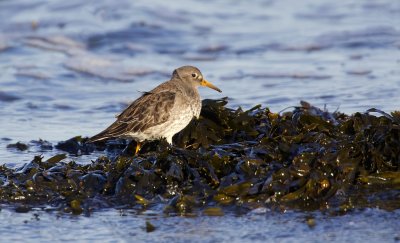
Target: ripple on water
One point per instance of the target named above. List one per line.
(8, 97)
(107, 67)
(370, 37)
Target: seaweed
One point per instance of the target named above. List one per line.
(306, 159)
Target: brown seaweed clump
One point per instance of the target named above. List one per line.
(307, 159)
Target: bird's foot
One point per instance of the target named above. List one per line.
(132, 149)
(138, 147)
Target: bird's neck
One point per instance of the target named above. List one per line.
(190, 90)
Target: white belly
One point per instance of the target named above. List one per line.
(177, 121)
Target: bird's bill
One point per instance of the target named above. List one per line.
(210, 85)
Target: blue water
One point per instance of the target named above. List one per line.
(67, 67)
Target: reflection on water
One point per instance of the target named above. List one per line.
(68, 66)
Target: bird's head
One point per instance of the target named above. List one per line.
(193, 76)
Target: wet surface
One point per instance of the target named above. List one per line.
(257, 226)
(68, 67)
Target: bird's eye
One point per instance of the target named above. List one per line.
(194, 75)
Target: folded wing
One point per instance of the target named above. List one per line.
(149, 110)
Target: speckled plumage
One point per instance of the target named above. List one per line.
(161, 112)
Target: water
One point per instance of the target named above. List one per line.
(68, 66)
(258, 226)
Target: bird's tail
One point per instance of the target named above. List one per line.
(114, 130)
(98, 137)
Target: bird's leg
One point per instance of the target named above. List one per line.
(138, 146)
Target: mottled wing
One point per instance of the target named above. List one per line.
(149, 110)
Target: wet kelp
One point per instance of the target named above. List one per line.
(306, 159)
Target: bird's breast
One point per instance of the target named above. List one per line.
(196, 109)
